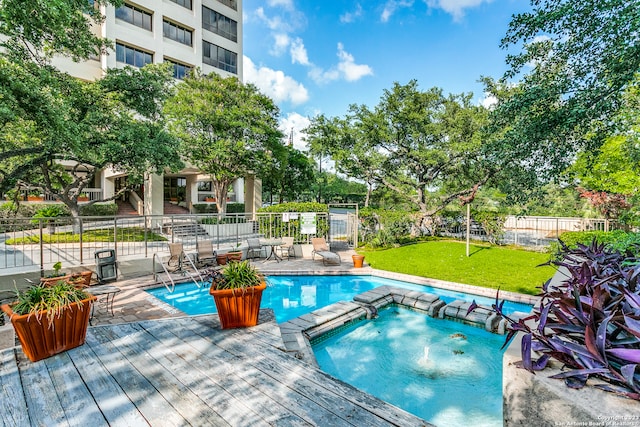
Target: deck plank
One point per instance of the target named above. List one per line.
(13, 410)
(43, 405)
(155, 409)
(301, 403)
(215, 364)
(177, 382)
(109, 396)
(79, 407)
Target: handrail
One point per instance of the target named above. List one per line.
(198, 284)
(157, 278)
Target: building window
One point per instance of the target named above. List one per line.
(176, 32)
(135, 16)
(183, 3)
(233, 4)
(219, 24)
(180, 71)
(219, 57)
(132, 56)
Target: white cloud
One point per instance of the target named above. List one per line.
(346, 69)
(287, 4)
(349, 17)
(297, 123)
(455, 8)
(280, 44)
(349, 69)
(392, 6)
(274, 83)
(489, 101)
(299, 52)
(273, 23)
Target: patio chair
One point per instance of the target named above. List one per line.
(205, 256)
(321, 248)
(176, 256)
(255, 248)
(286, 248)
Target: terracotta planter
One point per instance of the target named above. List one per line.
(35, 199)
(83, 198)
(238, 308)
(234, 256)
(221, 259)
(358, 260)
(81, 280)
(41, 339)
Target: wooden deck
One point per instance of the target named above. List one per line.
(182, 371)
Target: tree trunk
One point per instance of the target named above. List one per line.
(221, 188)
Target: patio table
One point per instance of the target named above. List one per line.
(272, 243)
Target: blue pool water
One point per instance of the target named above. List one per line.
(446, 372)
(293, 296)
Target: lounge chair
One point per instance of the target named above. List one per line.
(286, 248)
(321, 248)
(205, 256)
(176, 256)
(255, 248)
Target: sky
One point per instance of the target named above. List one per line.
(319, 57)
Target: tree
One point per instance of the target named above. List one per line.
(423, 146)
(289, 176)
(583, 55)
(227, 129)
(348, 143)
(53, 119)
(57, 132)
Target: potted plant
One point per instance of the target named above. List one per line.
(235, 254)
(35, 196)
(83, 197)
(50, 319)
(237, 292)
(80, 279)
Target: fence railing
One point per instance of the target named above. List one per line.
(41, 242)
(533, 231)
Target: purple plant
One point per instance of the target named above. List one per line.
(590, 322)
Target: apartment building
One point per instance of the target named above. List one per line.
(187, 33)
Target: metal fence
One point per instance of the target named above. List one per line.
(533, 231)
(41, 242)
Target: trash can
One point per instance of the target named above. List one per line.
(106, 269)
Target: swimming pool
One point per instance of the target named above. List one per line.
(294, 296)
(446, 372)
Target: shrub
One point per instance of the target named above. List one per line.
(99, 209)
(235, 207)
(619, 240)
(590, 322)
(296, 207)
(384, 228)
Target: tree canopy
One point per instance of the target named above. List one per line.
(422, 145)
(56, 131)
(577, 60)
(227, 128)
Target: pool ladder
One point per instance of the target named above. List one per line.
(170, 284)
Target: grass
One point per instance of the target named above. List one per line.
(488, 266)
(129, 234)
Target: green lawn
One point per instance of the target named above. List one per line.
(488, 266)
(129, 234)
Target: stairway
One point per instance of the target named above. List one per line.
(125, 209)
(173, 209)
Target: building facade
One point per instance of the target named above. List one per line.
(206, 34)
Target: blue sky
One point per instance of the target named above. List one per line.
(316, 57)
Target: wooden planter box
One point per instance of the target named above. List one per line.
(238, 308)
(41, 339)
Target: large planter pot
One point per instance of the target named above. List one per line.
(41, 339)
(358, 260)
(221, 259)
(238, 308)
